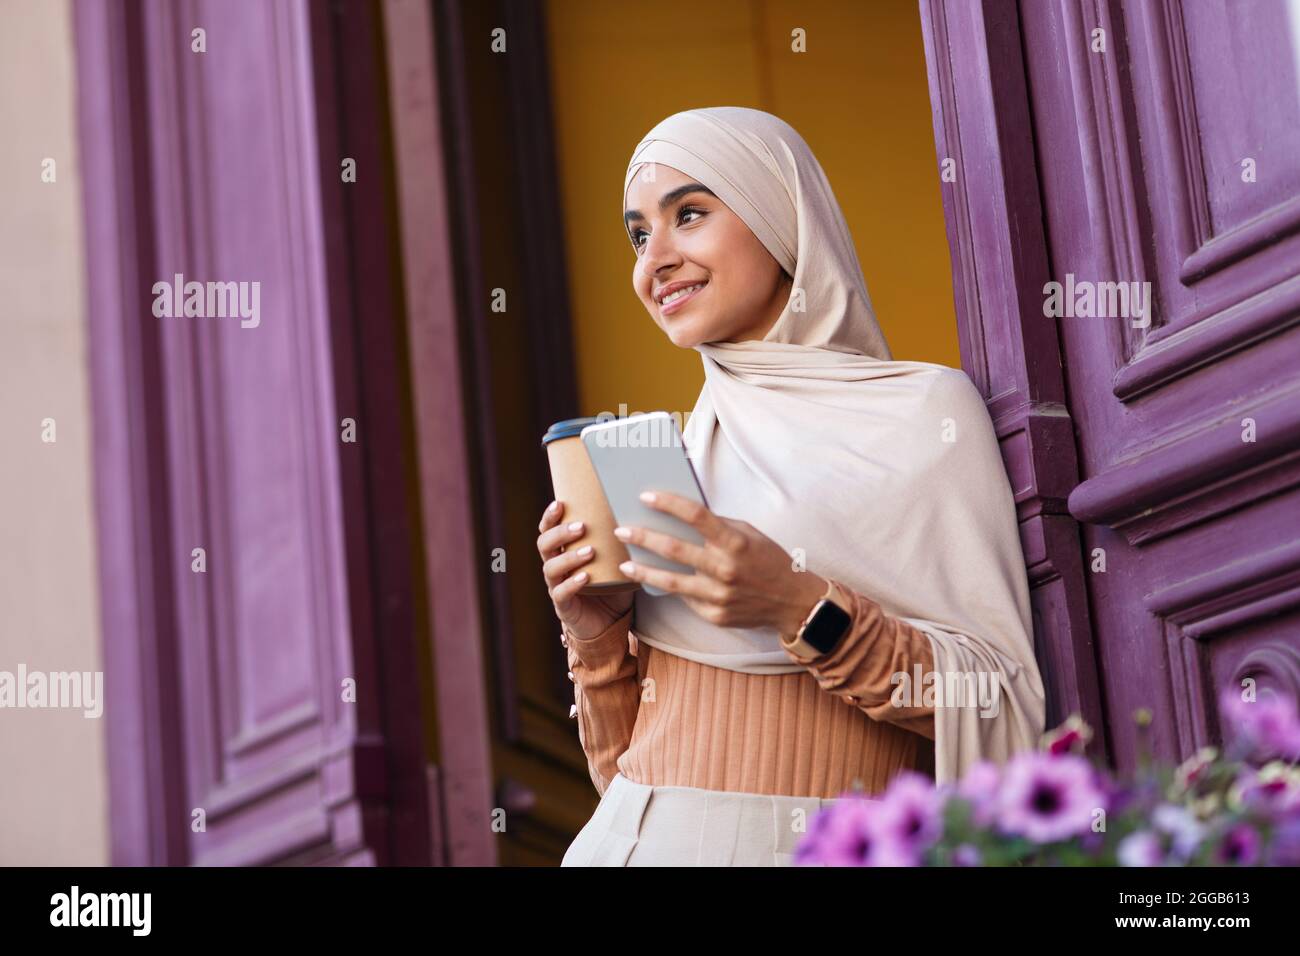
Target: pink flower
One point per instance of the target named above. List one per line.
(851, 832)
(1267, 726)
(808, 851)
(1272, 790)
(1048, 798)
(1191, 770)
(1072, 736)
(910, 812)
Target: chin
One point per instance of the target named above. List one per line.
(689, 332)
(685, 338)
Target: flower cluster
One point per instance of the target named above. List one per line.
(1055, 807)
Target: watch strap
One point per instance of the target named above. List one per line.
(795, 644)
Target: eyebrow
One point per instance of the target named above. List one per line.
(669, 198)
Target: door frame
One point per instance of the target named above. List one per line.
(984, 138)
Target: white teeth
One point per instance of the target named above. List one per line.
(679, 293)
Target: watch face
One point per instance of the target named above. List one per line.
(827, 626)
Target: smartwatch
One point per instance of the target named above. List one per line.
(821, 631)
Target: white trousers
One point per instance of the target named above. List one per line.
(639, 825)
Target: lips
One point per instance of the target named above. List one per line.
(670, 307)
(670, 288)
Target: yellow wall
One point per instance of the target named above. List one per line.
(858, 96)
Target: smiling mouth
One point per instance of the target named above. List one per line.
(681, 300)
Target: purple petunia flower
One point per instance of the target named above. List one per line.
(1239, 846)
(910, 812)
(851, 835)
(1048, 798)
(1140, 849)
(808, 850)
(1267, 726)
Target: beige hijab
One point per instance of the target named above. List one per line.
(884, 475)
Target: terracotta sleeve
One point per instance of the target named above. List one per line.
(860, 669)
(606, 695)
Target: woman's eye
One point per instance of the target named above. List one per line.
(685, 210)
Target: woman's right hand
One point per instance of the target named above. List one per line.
(585, 616)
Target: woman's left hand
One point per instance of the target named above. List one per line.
(742, 577)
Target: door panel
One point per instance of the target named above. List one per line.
(1243, 54)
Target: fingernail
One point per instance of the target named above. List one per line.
(622, 533)
(552, 506)
(627, 567)
(648, 497)
(580, 576)
(575, 526)
(585, 549)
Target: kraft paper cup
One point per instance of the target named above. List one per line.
(575, 483)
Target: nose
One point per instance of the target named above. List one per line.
(659, 254)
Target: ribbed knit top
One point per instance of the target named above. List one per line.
(663, 720)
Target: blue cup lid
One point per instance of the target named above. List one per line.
(568, 428)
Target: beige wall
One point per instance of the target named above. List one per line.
(858, 96)
(53, 784)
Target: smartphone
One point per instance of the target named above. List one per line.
(639, 453)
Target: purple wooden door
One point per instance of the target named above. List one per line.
(262, 703)
(1146, 158)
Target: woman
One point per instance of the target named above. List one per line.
(839, 478)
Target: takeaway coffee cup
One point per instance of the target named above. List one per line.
(575, 483)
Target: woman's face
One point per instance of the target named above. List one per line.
(683, 234)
